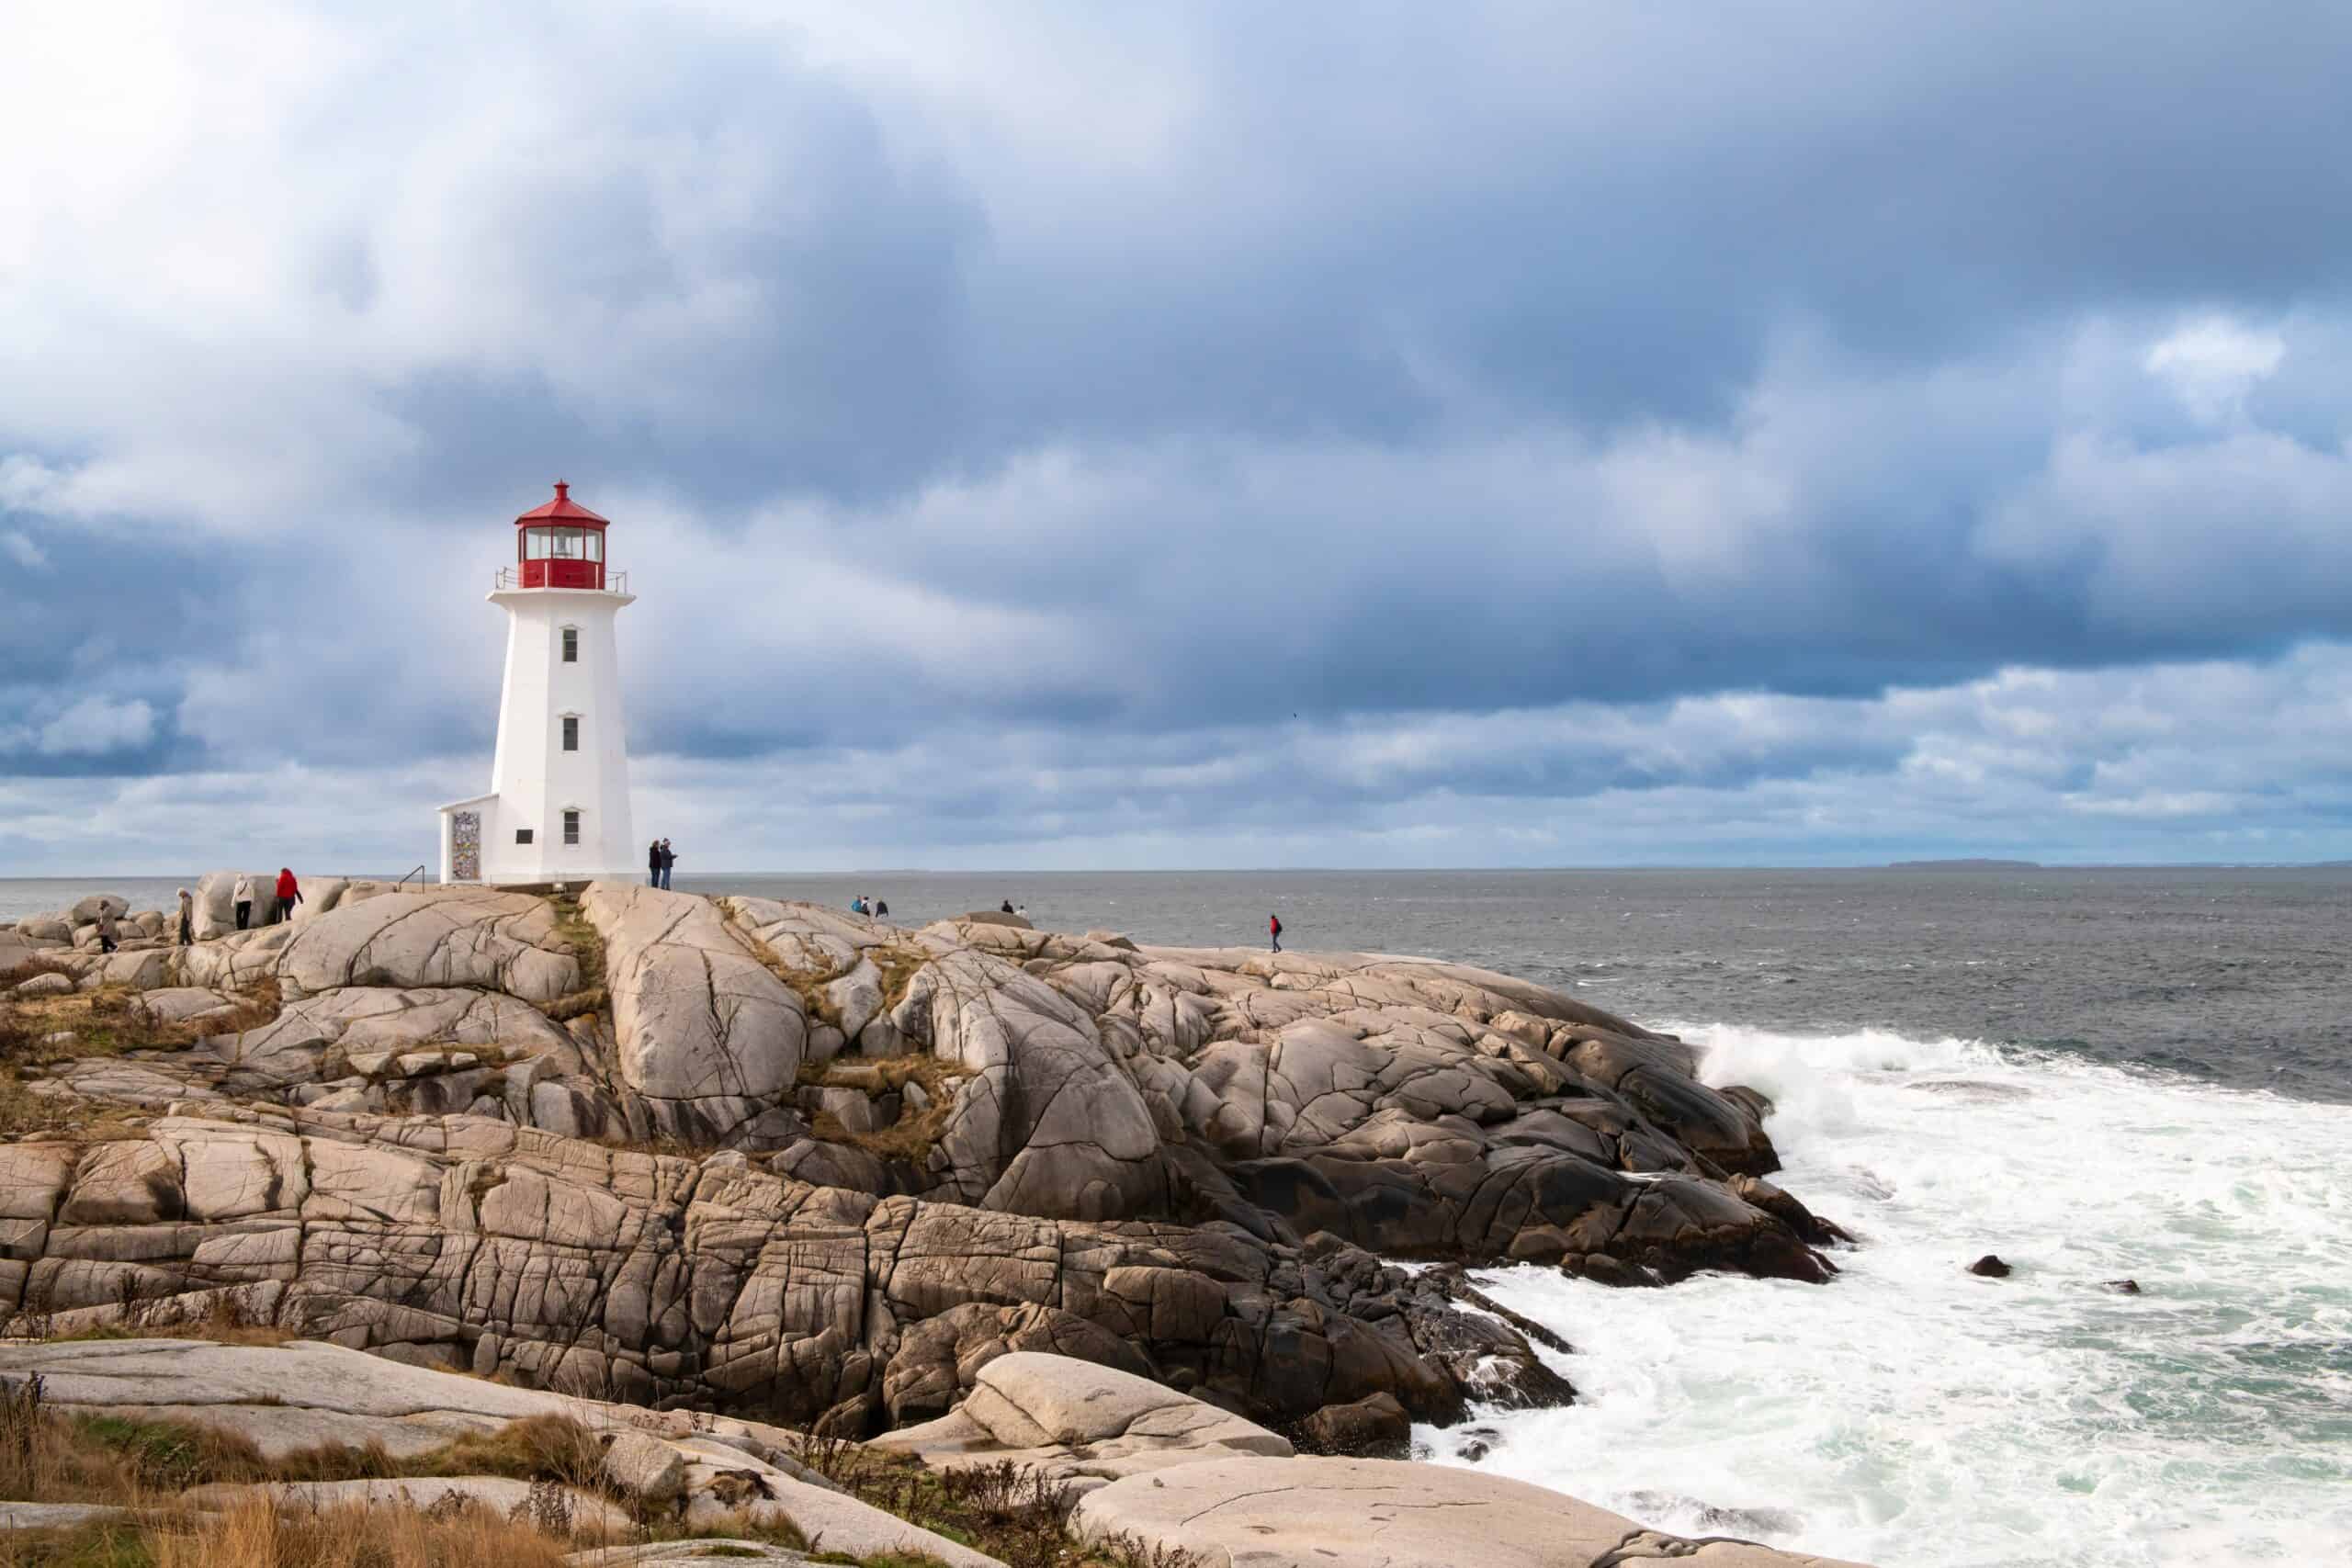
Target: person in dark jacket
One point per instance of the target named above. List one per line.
(654, 864)
(106, 928)
(668, 862)
(881, 908)
(289, 893)
(1007, 907)
(1274, 930)
(188, 918)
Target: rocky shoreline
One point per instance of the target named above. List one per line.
(792, 1165)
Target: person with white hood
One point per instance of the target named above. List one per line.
(243, 894)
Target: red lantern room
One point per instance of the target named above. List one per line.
(560, 545)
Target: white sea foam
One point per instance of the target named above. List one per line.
(1913, 1416)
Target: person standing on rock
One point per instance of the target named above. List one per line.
(289, 893)
(188, 918)
(244, 897)
(653, 862)
(1007, 907)
(669, 862)
(1275, 930)
(881, 908)
(106, 928)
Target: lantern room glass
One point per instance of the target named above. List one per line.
(563, 544)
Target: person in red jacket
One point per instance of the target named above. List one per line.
(1274, 930)
(289, 893)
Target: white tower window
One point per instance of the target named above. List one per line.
(571, 645)
(571, 827)
(572, 732)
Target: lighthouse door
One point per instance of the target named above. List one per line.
(465, 846)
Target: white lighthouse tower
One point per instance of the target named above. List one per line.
(558, 806)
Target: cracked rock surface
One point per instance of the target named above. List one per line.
(1311, 1513)
(782, 1160)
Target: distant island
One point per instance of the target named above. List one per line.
(1971, 864)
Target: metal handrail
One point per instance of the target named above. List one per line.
(418, 873)
(507, 579)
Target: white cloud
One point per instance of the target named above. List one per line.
(95, 725)
(2212, 362)
(20, 547)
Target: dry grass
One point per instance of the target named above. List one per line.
(24, 1115)
(1011, 1512)
(911, 1137)
(898, 963)
(256, 1535)
(38, 964)
(112, 1020)
(588, 950)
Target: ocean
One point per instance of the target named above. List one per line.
(2097, 1075)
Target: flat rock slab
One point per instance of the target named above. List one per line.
(290, 1397)
(1314, 1513)
(684, 1554)
(56, 1516)
(1075, 1419)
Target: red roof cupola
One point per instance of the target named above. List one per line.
(562, 509)
(562, 544)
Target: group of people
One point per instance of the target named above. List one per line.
(658, 858)
(877, 907)
(287, 893)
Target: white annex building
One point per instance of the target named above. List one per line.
(558, 806)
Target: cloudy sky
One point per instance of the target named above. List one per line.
(1190, 435)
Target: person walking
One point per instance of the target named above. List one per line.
(881, 908)
(243, 894)
(669, 862)
(1275, 930)
(106, 928)
(188, 918)
(654, 864)
(289, 893)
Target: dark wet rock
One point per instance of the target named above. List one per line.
(1476, 1443)
(2123, 1287)
(1990, 1268)
(1373, 1427)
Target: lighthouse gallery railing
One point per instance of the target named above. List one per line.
(507, 579)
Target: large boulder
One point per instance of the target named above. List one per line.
(216, 903)
(502, 941)
(1047, 1121)
(86, 911)
(1312, 1513)
(703, 1031)
(1080, 1423)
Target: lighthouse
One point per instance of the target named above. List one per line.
(558, 806)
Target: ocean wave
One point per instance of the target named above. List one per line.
(1913, 1414)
